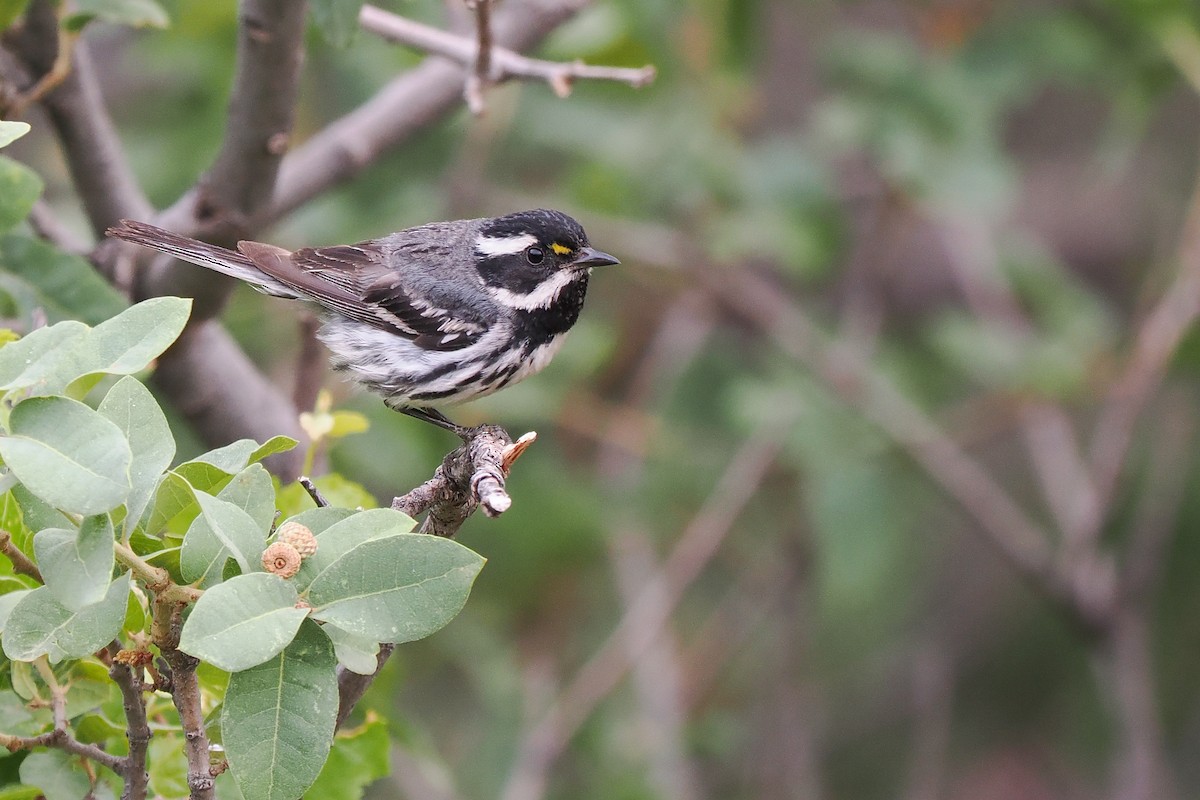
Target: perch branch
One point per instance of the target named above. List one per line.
(495, 64)
(21, 563)
(471, 476)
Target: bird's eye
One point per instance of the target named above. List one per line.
(534, 255)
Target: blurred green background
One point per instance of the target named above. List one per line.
(977, 203)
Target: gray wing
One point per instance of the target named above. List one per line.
(357, 281)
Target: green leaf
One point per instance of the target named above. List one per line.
(347, 423)
(19, 188)
(337, 20)
(356, 653)
(173, 507)
(8, 602)
(40, 625)
(204, 554)
(65, 285)
(56, 773)
(10, 131)
(68, 455)
(396, 589)
(134, 13)
(278, 719)
(243, 622)
(77, 563)
(167, 771)
(234, 457)
(128, 342)
(234, 529)
(88, 687)
(133, 409)
(276, 444)
(336, 539)
(359, 758)
(19, 718)
(30, 360)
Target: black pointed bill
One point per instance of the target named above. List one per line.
(590, 257)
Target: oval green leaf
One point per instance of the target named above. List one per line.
(278, 719)
(20, 187)
(40, 625)
(68, 455)
(396, 589)
(134, 410)
(243, 622)
(76, 563)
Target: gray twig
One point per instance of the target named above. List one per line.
(469, 477)
(60, 735)
(479, 76)
(404, 107)
(137, 726)
(498, 64)
(21, 563)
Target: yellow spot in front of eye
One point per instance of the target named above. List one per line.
(561, 249)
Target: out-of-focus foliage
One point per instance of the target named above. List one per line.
(983, 197)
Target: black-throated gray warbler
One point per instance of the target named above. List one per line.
(437, 314)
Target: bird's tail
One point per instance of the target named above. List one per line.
(194, 251)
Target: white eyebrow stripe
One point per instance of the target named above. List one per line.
(503, 245)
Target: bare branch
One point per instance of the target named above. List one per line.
(404, 107)
(496, 65)
(1001, 521)
(60, 736)
(469, 477)
(478, 77)
(645, 618)
(185, 694)
(1157, 339)
(241, 181)
(137, 726)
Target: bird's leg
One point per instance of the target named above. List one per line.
(435, 417)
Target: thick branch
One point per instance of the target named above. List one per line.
(471, 476)
(242, 178)
(486, 63)
(208, 377)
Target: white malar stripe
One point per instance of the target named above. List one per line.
(543, 295)
(503, 245)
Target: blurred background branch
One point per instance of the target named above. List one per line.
(870, 473)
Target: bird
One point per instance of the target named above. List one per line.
(434, 315)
